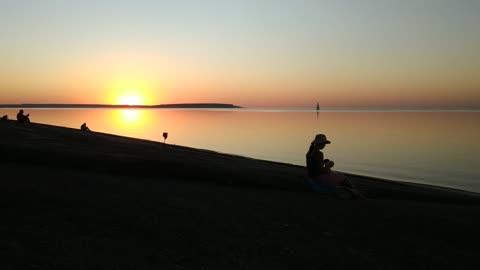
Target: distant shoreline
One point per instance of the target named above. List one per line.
(110, 106)
(232, 106)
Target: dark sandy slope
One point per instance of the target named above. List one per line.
(73, 200)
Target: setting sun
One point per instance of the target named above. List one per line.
(130, 100)
(131, 92)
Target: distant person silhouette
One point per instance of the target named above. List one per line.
(84, 127)
(22, 118)
(320, 169)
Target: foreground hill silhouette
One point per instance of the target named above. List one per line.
(86, 200)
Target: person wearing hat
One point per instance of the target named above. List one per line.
(319, 169)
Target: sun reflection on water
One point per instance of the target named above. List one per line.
(129, 117)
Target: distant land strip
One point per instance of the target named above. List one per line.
(109, 106)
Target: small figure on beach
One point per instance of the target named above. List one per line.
(22, 118)
(320, 169)
(84, 127)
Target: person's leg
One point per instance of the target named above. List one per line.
(348, 185)
(335, 179)
(339, 179)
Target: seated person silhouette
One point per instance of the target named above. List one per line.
(321, 177)
(84, 127)
(5, 117)
(22, 118)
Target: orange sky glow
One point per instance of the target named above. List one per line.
(249, 54)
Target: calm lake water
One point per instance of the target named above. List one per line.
(439, 148)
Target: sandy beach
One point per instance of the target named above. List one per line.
(87, 200)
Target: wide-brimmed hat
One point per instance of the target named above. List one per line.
(320, 138)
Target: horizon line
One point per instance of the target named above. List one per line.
(213, 105)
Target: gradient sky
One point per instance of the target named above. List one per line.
(250, 53)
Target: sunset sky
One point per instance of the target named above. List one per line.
(249, 53)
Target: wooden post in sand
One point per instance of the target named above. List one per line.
(165, 136)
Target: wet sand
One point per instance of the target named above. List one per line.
(79, 200)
